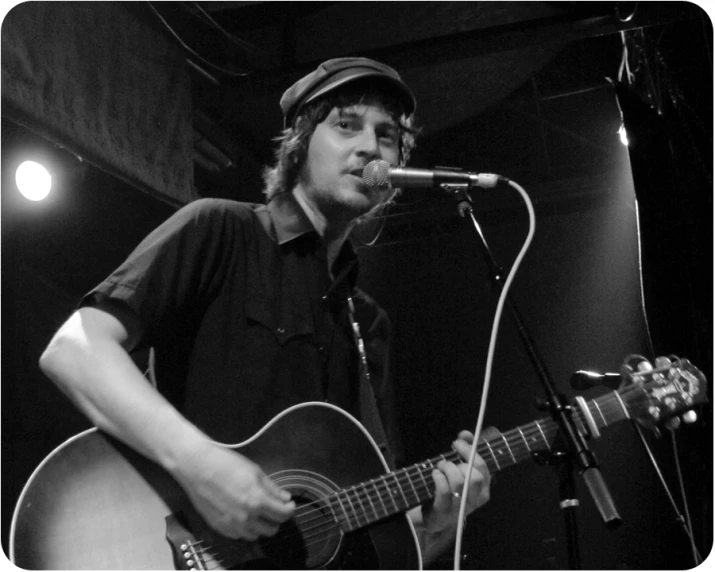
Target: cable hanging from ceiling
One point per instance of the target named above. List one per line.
(241, 43)
(193, 52)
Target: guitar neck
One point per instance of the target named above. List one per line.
(401, 490)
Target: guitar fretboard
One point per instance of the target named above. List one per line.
(401, 490)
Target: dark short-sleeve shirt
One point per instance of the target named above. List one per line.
(244, 317)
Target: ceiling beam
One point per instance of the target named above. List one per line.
(570, 26)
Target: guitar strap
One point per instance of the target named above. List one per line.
(368, 403)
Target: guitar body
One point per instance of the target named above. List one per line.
(96, 504)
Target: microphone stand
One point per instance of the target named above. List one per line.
(578, 456)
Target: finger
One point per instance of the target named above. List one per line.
(263, 527)
(454, 475)
(465, 450)
(489, 433)
(276, 504)
(275, 490)
(442, 492)
(476, 477)
(276, 510)
(234, 529)
(466, 436)
(246, 534)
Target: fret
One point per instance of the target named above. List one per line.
(372, 506)
(412, 486)
(526, 442)
(352, 507)
(387, 487)
(623, 405)
(362, 512)
(399, 488)
(546, 441)
(587, 417)
(598, 408)
(342, 507)
(508, 448)
(329, 502)
(379, 496)
(422, 476)
(582, 429)
(493, 456)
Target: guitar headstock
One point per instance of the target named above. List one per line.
(655, 394)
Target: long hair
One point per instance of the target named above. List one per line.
(293, 141)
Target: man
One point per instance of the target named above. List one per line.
(249, 309)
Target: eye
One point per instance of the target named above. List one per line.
(347, 125)
(390, 135)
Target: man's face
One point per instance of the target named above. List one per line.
(341, 146)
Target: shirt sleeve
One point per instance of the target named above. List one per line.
(166, 281)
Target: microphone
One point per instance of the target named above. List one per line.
(587, 379)
(379, 173)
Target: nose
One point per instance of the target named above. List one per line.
(368, 144)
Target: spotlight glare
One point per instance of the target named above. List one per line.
(622, 133)
(33, 181)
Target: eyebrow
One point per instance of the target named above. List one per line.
(350, 113)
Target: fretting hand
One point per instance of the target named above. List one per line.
(449, 480)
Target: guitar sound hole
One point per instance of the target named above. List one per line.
(308, 540)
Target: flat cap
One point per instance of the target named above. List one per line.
(337, 72)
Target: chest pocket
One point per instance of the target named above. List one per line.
(284, 325)
(279, 308)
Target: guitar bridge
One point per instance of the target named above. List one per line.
(189, 553)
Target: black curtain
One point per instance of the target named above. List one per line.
(667, 113)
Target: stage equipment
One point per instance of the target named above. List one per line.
(577, 455)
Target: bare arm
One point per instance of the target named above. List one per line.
(87, 360)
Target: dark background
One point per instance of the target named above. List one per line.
(527, 90)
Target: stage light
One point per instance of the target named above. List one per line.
(33, 181)
(622, 133)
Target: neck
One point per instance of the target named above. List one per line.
(334, 233)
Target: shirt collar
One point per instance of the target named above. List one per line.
(290, 222)
(289, 219)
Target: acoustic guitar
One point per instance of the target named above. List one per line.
(93, 503)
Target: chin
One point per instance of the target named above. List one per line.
(358, 201)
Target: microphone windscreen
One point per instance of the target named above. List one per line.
(376, 173)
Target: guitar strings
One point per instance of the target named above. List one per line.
(205, 550)
(516, 441)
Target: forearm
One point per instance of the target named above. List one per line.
(99, 376)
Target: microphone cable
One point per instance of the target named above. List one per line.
(489, 365)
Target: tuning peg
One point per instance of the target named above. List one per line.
(662, 361)
(645, 365)
(690, 416)
(672, 423)
(541, 404)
